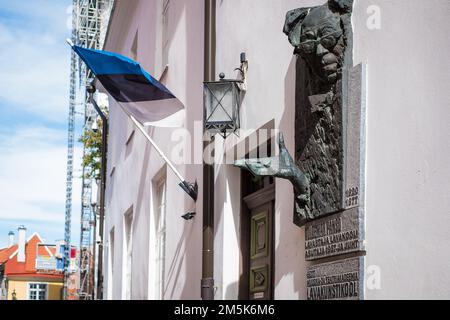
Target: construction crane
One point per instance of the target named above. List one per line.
(70, 150)
(89, 21)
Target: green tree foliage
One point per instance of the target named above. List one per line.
(92, 141)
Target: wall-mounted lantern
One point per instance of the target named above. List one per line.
(221, 102)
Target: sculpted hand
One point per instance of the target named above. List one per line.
(284, 167)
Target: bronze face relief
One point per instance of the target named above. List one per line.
(322, 41)
(321, 37)
(317, 37)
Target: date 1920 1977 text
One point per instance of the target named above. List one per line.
(351, 197)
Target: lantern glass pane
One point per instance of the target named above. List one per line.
(219, 102)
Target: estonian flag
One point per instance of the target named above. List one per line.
(138, 92)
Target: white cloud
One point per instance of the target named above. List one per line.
(42, 14)
(34, 80)
(5, 35)
(35, 75)
(34, 59)
(32, 175)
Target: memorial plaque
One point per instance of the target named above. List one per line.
(339, 280)
(333, 235)
(327, 168)
(343, 232)
(322, 39)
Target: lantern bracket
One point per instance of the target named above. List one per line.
(243, 73)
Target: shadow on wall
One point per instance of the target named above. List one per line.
(290, 266)
(181, 253)
(140, 212)
(226, 202)
(230, 293)
(188, 250)
(289, 251)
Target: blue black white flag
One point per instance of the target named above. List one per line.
(141, 95)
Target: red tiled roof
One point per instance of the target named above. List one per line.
(52, 250)
(37, 275)
(44, 251)
(6, 252)
(31, 249)
(27, 268)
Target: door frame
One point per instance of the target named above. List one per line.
(252, 201)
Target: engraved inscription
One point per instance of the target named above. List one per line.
(351, 197)
(333, 235)
(340, 280)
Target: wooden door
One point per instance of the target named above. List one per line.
(260, 247)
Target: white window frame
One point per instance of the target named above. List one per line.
(160, 234)
(162, 38)
(37, 290)
(127, 255)
(135, 46)
(111, 249)
(165, 34)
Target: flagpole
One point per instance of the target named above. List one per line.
(189, 188)
(144, 132)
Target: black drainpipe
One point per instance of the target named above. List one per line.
(207, 282)
(104, 150)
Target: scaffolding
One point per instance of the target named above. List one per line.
(89, 24)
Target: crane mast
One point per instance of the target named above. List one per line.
(89, 23)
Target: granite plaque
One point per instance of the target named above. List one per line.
(343, 232)
(338, 280)
(333, 235)
(354, 136)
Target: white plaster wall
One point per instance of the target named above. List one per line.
(407, 139)
(408, 149)
(255, 27)
(407, 145)
(136, 166)
(227, 255)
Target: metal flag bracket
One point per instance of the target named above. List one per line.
(190, 188)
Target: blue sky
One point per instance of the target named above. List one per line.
(34, 87)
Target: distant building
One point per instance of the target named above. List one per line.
(73, 285)
(30, 269)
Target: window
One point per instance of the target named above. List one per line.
(37, 291)
(165, 34)
(128, 250)
(111, 265)
(160, 232)
(134, 47)
(162, 38)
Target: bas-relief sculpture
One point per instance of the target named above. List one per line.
(321, 37)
